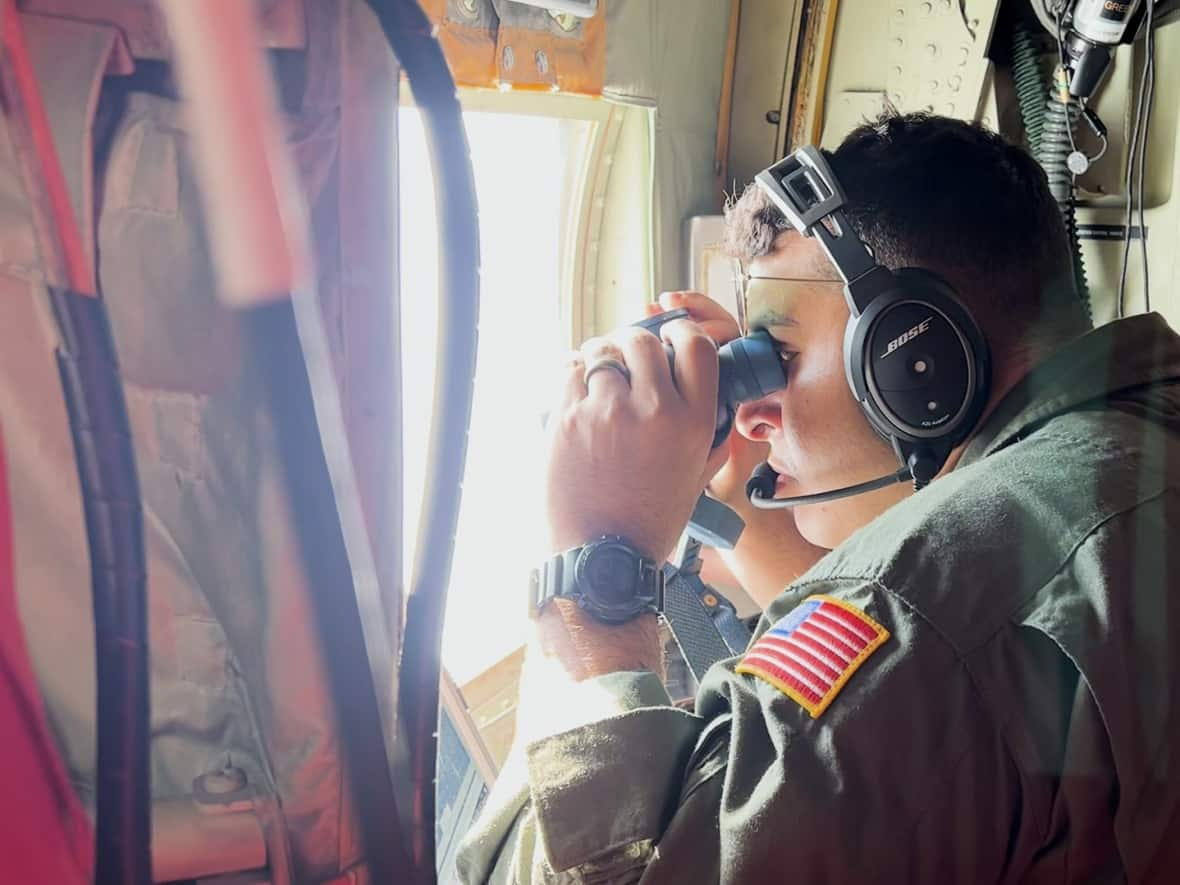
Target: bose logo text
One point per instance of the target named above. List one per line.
(906, 337)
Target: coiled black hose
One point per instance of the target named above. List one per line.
(1048, 124)
(1028, 74)
(1059, 120)
(1056, 144)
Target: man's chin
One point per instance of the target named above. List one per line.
(819, 525)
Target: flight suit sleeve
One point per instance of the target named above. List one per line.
(617, 745)
(904, 776)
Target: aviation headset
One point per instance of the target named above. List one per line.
(914, 357)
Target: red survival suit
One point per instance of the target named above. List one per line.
(45, 835)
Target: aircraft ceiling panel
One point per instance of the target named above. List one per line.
(923, 55)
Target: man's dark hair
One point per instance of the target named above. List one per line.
(954, 198)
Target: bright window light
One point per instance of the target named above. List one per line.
(527, 171)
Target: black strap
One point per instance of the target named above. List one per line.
(703, 622)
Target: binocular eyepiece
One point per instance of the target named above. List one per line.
(749, 368)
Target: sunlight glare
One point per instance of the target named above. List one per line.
(523, 166)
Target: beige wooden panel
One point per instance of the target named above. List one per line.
(491, 699)
(925, 55)
(767, 37)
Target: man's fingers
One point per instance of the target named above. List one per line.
(575, 379)
(695, 364)
(717, 322)
(696, 303)
(648, 361)
(606, 368)
(717, 459)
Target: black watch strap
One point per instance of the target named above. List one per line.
(564, 576)
(554, 578)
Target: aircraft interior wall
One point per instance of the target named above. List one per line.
(692, 98)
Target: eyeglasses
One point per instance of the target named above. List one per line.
(770, 301)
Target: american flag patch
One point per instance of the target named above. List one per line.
(813, 651)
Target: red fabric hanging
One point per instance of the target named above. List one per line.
(45, 836)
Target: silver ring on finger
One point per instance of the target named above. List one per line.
(608, 363)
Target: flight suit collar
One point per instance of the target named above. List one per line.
(1135, 352)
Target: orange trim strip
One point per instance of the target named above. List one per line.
(543, 61)
(522, 58)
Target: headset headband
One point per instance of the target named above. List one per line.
(804, 188)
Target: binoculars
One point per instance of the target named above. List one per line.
(749, 369)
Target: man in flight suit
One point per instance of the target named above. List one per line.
(992, 692)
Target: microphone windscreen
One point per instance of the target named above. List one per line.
(762, 482)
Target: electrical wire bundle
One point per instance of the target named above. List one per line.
(1055, 126)
(1136, 164)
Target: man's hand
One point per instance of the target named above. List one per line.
(630, 452)
(728, 485)
(771, 553)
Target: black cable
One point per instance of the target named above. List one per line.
(1069, 107)
(1099, 129)
(1129, 182)
(286, 375)
(1150, 87)
(411, 36)
(113, 511)
(107, 476)
(765, 502)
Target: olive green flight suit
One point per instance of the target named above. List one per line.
(1020, 723)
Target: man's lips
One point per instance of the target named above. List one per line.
(784, 476)
(778, 467)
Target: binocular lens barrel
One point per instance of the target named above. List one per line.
(749, 369)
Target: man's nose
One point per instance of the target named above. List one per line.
(759, 419)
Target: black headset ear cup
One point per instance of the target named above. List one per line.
(918, 363)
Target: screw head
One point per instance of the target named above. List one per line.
(564, 20)
(1077, 162)
(220, 783)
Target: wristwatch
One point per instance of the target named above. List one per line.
(609, 579)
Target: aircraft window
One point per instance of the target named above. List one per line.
(529, 174)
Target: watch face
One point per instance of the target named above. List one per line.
(610, 571)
